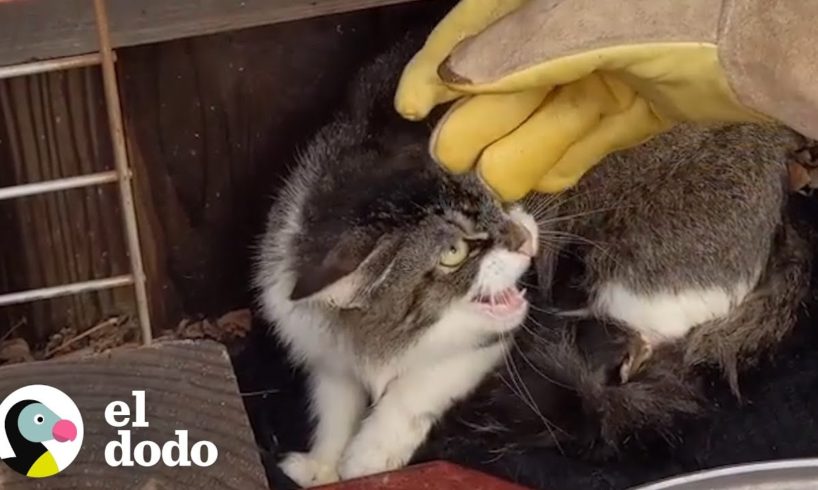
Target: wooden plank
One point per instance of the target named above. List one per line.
(188, 385)
(40, 29)
(436, 475)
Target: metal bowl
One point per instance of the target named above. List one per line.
(790, 474)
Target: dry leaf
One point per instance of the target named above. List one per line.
(13, 351)
(236, 323)
(231, 325)
(105, 335)
(58, 338)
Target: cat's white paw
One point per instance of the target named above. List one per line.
(373, 452)
(369, 461)
(307, 471)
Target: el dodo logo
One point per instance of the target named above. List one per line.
(42, 434)
(41, 431)
(148, 453)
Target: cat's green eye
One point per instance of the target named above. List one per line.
(455, 254)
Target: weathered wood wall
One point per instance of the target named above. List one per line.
(37, 29)
(52, 126)
(211, 123)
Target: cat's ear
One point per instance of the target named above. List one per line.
(338, 277)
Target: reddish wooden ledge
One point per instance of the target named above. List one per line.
(437, 475)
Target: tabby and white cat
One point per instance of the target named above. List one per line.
(391, 282)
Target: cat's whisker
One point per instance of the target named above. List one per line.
(498, 454)
(538, 370)
(531, 332)
(569, 237)
(515, 382)
(553, 237)
(542, 310)
(512, 388)
(512, 385)
(567, 217)
(549, 246)
(574, 238)
(535, 204)
(556, 199)
(527, 398)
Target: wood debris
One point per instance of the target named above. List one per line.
(120, 331)
(228, 327)
(98, 338)
(105, 335)
(15, 350)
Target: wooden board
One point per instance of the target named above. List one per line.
(39, 29)
(437, 475)
(188, 385)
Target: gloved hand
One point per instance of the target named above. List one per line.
(555, 85)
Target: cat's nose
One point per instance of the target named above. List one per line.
(519, 239)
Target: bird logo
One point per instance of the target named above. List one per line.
(43, 430)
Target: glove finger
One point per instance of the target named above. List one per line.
(512, 166)
(625, 129)
(420, 88)
(473, 123)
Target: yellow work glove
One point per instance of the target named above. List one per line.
(549, 89)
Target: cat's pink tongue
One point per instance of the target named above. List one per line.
(513, 299)
(505, 301)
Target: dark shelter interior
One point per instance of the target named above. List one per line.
(774, 419)
(213, 123)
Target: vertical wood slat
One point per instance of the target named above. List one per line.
(117, 135)
(50, 128)
(60, 214)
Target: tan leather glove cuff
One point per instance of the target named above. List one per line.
(769, 49)
(766, 47)
(543, 30)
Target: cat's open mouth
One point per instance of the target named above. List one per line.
(504, 302)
